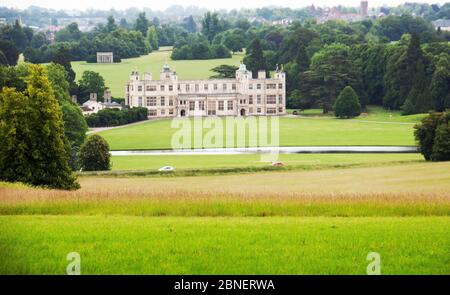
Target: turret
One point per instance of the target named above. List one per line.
(134, 76)
(242, 73)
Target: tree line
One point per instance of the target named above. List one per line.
(409, 74)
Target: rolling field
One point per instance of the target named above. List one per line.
(303, 222)
(116, 75)
(375, 128)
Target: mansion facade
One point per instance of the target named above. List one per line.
(242, 96)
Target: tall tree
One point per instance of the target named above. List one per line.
(189, 24)
(91, 82)
(111, 24)
(10, 52)
(33, 148)
(255, 60)
(211, 25)
(141, 23)
(152, 38)
(440, 84)
(330, 71)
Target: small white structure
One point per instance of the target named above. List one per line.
(92, 106)
(105, 58)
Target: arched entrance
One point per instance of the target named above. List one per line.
(183, 113)
(242, 112)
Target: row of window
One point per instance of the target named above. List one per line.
(187, 87)
(271, 99)
(152, 100)
(153, 113)
(212, 110)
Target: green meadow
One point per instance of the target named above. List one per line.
(377, 127)
(116, 75)
(290, 222)
(175, 245)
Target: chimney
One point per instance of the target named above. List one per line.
(93, 96)
(107, 96)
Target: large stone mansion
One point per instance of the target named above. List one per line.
(242, 96)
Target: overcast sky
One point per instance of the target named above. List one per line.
(210, 4)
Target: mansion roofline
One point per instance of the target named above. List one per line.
(241, 96)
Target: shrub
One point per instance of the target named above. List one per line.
(115, 117)
(432, 136)
(94, 154)
(347, 104)
(441, 146)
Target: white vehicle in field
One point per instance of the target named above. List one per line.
(166, 169)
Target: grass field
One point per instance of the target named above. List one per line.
(292, 161)
(304, 222)
(116, 75)
(375, 128)
(173, 245)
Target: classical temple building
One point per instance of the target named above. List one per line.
(242, 96)
(105, 57)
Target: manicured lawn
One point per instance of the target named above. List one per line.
(116, 75)
(157, 134)
(174, 245)
(254, 160)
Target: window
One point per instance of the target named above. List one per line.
(258, 99)
(163, 101)
(201, 105)
(151, 88)
(196, 87)
(258, 86)
(250, 86)
(230, 105)
(192, 105)
(250, 99)
(280, 86)
(211, 107)
(280, 99)
(140, 101)
(224, 87)
(271, 99)
(163, 112)
(151, 101)
(271, 110)
(170, 102)
(221, 105)
(162, 87)
(139, 88)
(187, 87)
(271, 86)
(205, 86)
(170, 87)
(233, 86)
(258, 110)
(280, 110)
(215, 86)
(171, 112)
(152, 113)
